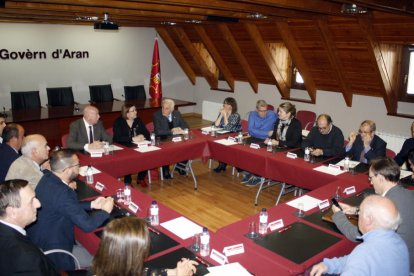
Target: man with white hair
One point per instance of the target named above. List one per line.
(383, 252)
(88, 132)
(29, 166)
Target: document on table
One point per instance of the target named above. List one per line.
(208, 129)
(147, 149)
(228, 269)
(182, 227)
(329, 170)
(352, 164)
(308, 202)
(226, 142)
(404, 173)
(94, 151)
(222, 131)
(82, 170)
(142, 142)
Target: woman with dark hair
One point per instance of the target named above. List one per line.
(228, 119)
(288, 130)
(124, 246)
(129, 128)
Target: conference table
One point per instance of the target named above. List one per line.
(54, 122)
(259, 258)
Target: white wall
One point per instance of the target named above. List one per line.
(117, 57)
(347, 118)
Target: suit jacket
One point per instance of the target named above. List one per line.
(78, 137)
(378, 149)
(19, 256)
(7, 157)
(402, 156)
(161, 126)
(123, 133)
(56, 219)
(25, 168)
(293, 134)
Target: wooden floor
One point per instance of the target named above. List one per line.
(220, 199)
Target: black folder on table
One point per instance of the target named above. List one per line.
(298, 243)
(170, 260)
(159, 242)
(84, 191)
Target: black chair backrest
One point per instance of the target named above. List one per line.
(25, 100)
(60, 96)
(135, 93)
(101, 93)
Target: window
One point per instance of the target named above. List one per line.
(407, 75)
(297, 80)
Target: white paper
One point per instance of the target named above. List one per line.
(182, 227)
(82, 170)
(226, 142)
(404, 173)
(328, 170)
(147, 149)
(222, 131)
(208, 129)
(232, 269)
(308, 202)
(352, 164)
(94, 151)
(145, 141)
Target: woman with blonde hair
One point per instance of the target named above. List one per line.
(123, 248)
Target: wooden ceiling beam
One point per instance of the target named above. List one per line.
(297, 58)
(197, 58)
(264, 51)
(211, 48)
(335, 60)
(234, 47)
(374, 50)
(164, 34)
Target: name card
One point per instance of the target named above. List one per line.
(277, 224)
(218, 257)
(333, 166)
(133, 207)
(231, 139)
(233, 249)
(177, 139)
(142, 144)
(254, 146)
(96, 154)
(323, 204)
(99, 186)
(349, 190)
(205, 132)
(291, 155)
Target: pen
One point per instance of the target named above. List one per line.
(201, 261)
(285, 229)
(153, 230)
(360, 193)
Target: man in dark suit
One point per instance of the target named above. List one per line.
(2, 125)
(88, 132)
(168, 121)
(9, 149)
(18, 255)
(366, 145)
(61, 210)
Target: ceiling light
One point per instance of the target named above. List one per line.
(256, 15)
(194, 21)
(353, 9)
(87, 18)
(169, 23)
(106, 24)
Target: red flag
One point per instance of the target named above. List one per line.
(155, 89)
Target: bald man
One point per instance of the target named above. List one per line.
(29, 166)
(383, 251)
(88, 132)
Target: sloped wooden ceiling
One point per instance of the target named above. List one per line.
(226, 40)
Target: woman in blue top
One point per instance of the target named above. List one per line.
(228, 119)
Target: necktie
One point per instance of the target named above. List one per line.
(90, 135)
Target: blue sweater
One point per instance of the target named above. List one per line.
(259, 127)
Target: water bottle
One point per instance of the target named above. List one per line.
(263, 221)
(89, 175)
(346, 164)
(269, 145)
(306, 157)
(240, 138)
(154, 213)
(127, 194)
(186, 134)
(205, 243)
(106, 148)
(152, 139)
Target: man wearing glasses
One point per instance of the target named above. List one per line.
(366, 145)
(324, 139)
(384, 174)
(61, 211)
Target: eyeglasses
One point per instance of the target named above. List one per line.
(364, 132)
(370, 177)
(261, 110)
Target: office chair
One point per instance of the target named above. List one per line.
(60, 96)
(25, 100)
